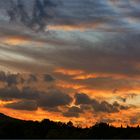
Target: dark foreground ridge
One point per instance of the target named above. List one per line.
(15, 128)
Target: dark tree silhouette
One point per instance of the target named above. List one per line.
(20, 129)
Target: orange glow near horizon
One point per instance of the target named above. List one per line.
(86, 119)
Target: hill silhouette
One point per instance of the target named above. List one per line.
(14, 128)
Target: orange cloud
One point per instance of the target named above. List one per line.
(15, 40)
(66, 85)
(96, 75)
(81, 27)
(68, 71)
(85, 120)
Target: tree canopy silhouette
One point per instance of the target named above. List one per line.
(15, 128)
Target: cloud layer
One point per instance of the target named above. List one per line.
(75, 58)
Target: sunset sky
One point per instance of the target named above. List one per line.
(70, 60)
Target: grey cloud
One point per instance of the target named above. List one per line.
(10, 79)
(104, 106)
(32, 78)
(113, 55)
(23, 105)
(10, 93)
(33, 17)
(107, 120)
(15, 79)
(2, 76)
(54, 98)
(57, 12)
(52, 109)
(48, 78)
(49, 100)
(99, 106)
(73, 112)
(81, 98)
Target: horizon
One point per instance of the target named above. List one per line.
(78, 126)
(71, 60)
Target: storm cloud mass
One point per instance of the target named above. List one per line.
(72, 60)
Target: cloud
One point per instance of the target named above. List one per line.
(10, 79)
(73, 112)
(135, 119)
(79, 27)
(99, 106)
(87, 46)
(81, 98)
(127, 96)
(23, 105)
(32, 78)
(106, 16)
(104, 106)
(48, 78)
(49, 100)
(107, 120)
(54, 98)
(10, 93)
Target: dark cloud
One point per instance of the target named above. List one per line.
(108, 13)
(49, 100)
(23, 105)
(52, 109)
(32, 78)
(48, 78)
(54, 98)
(10, 79)
(73, 112)
(2, 76)
(81, 98)
(99, 106)
(33, 17)
(107, 120)
(15, 79)
(104, 107)
(10, 93)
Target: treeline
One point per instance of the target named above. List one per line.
(46, 129)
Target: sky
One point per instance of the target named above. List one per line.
(71, 60)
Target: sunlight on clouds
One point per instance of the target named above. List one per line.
(68, 71)
(14, 41)
(85, 76)
(70, 85)
(79, 27)
(87, 48)
(14, 56)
